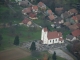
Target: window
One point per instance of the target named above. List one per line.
(50, 40)
(53, 41)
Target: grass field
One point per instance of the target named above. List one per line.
(13, 54)
(23, 32)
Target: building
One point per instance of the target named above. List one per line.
(48, 37)
(35, 8)
(26, 11)
(76, 32)
(49, 12)
(73, 11)
(33, 16)
(27, 22)
(73, 27)
(59, 10)
(51, 17)
(42, 6)
(70, 38)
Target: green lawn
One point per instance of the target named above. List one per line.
(39, 20)
(23, 32)
(7, 15)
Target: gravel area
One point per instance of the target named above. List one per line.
(49, 48)
(60, 53)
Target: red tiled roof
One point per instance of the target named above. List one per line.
(73, 10)
(54, 34)
(25, 21)
(49, 11)
(78, 24)
(51, 17)
(67, 23)
(74, 17)
(73, 27)
(40, 4)
(26, 10)
(35, 7)
(78, 17)
(32, 15)
(76, 33)
(45, 29)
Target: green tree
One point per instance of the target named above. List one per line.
(33, 47)
(54, 56)
(1, 39)
(16, 40)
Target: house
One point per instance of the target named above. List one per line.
(78, 24)
(53, 37)
(51, 17)
(33, 16)
(67, 23)
(42, 5)
(73, 11)
(75, 19)
(70, 38)
(65, 15)
(24, 3)
(78, 17)
(27, 22)
(73, 27)
(58, 20)
(26, 11)
(49, 12)
(76, 33)
(59, 10)
(35, 8)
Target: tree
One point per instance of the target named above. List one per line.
(16, 40)
(33, 47)
(54, 56)
(1, 39)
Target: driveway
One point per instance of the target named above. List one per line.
(60, 53)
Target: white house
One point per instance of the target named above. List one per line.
(51, 37)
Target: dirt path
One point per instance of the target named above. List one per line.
(13, 54)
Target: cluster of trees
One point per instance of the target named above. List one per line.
(58, 3)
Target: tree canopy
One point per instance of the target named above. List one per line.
(33, 47)
(54, 56)
(16, 40)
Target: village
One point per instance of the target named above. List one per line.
(56, 30)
